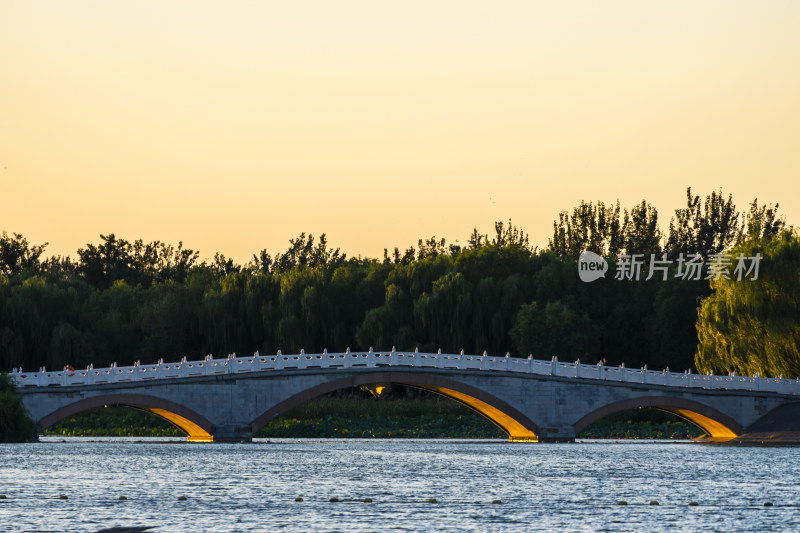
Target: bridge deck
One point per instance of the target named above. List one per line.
(266, 363)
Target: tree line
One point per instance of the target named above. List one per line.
(122, 301)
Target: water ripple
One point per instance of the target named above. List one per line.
(252, 487)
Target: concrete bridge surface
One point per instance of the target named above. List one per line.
(531, 400)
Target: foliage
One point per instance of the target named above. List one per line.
(136, 263)
(553, 328)
(15, 424)
(114, 422)
(761, 222)
(17, 256)
(125, 301)
(425, 426)
(607, 230)
(643, 423)
(753, 326)
(703, 228)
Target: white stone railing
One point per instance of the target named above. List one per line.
(269, 363)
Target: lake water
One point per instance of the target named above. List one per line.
(252, 487)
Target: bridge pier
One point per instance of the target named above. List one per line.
(561, 434)
(232, 434)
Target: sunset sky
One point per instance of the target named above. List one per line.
(234, 126)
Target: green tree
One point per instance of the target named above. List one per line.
(123, 301)
(554, 329)
(606, 230)
(444, 315)
(17, 255)
(753, 326)
(703, 228)
(137, 263)
(761, 222)
(302, 253)
(509, 235)
(641, 232)
(105, 263)
(15, 424)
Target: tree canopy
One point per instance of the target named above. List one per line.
(123, 301)
(753, 326)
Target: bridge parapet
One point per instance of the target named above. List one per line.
(371, 359)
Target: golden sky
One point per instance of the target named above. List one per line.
(236, 125)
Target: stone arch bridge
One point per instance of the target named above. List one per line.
(531, 400)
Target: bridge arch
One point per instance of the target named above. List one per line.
(516, 425)
(718, 425)
(196, 427)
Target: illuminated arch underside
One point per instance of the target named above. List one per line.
(717, 425)
(516, 431)
(197, 428)
(517, 426)
(717, 430)
(194, 432)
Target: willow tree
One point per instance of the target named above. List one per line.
(15, 424)
(753, 325)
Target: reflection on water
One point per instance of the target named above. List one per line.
(252, 487)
